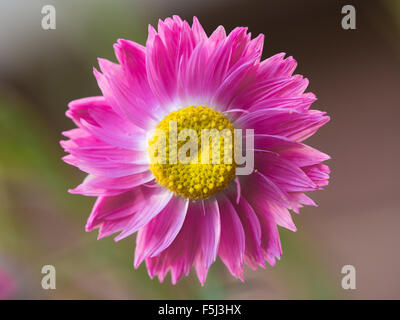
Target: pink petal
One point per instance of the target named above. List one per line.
(210, 239)
(79, 109)
(235, 82)
(318, 173)
(274, 210)
(297, 199)
(117, 136)
(102, 186)
(129, 94)
(159, 233)
(142, 210)
(119, 206)
(291, 124)
(105, 168)
(287, 176)
(155, 203)
(77, 133)
(297, 153)
(217, 37)
(175, 39)
(270, 241)
(232, 243)
(253, 254)
(196, 243)
(198, 31)
(91, 149)
(276, 66)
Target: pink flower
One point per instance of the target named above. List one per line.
(187, 215)
(7, 286)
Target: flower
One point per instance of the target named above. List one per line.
(7, 285)
(188, 214)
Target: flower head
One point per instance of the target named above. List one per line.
(7, 285)
(187, 201)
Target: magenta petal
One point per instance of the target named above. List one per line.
(193, 82)
(104, 168)
(102, 186)
(234, 83)
(279, 88)
(110, 227)
(119, 206)
(265, 186)
(133, 216)
(159, 72)
(276, 66)
(232, 243)
(287, 176)
(297, 199)
(318, 173)
(223, 58)
(90, 149)
(271, 201)
(198, 31)
(210, 239)
(76, 133)
(132, 57)
(291, 124)
(161, 231)
(301, 103)
(96, 118)
(253, 254)
(129, 95)
(79, 109)
(218, 68)
(196, 243)
(275, 87)
(270, 241)
(237, 42)
(297, 153)
(274, 210)
(132, 140)
(155, 203)
(175, 39)
(217, 37)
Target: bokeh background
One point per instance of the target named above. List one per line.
(354, 73)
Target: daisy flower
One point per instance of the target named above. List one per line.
(7, 286)
(187, 214)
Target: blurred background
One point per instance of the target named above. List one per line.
(354, 73)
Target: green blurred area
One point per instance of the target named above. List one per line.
(41, 223)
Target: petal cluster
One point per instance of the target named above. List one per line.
(178, 67)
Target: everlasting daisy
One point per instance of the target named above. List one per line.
(7, 286)
(188, 214)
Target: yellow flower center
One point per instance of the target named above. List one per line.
(191, 152)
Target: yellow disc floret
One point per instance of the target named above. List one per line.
(191, 152)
